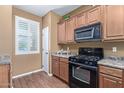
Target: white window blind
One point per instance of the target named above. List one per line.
(27, 36)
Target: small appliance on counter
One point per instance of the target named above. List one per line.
(83, 68)
(88, 33)
(64, 53)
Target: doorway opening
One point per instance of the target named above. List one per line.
(45, 49)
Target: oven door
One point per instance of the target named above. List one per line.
(82, 77)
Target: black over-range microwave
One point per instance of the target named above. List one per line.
(88, 33)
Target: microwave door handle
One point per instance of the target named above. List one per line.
(92, 32)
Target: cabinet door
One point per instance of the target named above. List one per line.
(93, 15)
(55, 67)
(107, 81)
(114, 22)
(4, 76)
(64, 71)
(61, 33)
(80, 20)
(70, 26)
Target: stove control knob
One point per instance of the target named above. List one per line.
(91, 59)
(91, 63)
(74, 60)
(86, 62)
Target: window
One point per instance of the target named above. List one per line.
(26, 36)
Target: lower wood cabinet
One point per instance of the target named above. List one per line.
(107, 81)
(64, 69)
(60, 68)
(5, 79)
(55, 67)
(110, 77)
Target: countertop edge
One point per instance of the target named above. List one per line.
(113, 66)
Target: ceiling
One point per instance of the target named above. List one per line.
(41, 10)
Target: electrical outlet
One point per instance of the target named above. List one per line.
(114, 49)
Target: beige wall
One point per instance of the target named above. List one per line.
(54, 45)
(51, 19)
(46, 20)
(54, 20)
(107, 46)
(25, 63)
(5, 29)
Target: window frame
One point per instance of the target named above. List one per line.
(17, 52)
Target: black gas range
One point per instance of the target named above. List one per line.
(83, 68)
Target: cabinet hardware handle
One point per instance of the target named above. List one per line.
(120, 82)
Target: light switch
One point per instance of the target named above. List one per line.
(114, 49)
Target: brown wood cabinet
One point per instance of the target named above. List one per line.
(114, 22)
(107, 81)
(70, 26)
(61, 33)
(55, 66)
(110, 77)
(5, 81)
(94, 15)
(110, 16)
(60, 68)
(64, 69)
(66, 28)
(81, 20)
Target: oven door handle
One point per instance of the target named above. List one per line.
(78, 67)
(84, 66)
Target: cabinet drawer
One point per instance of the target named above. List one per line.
(107, 81)
(111, 71)
(55, 58)
(64, 60)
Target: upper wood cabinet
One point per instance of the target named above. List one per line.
(111, 18)
(114, 22)
(80, 20)
(94, 15)
(70, 26)
(61, 33)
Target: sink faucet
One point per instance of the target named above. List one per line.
(68, 50)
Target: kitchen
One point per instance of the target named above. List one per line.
(98, 25)
(85, 49)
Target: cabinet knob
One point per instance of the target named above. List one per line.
(120, 82)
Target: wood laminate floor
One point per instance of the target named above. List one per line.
(38, 80)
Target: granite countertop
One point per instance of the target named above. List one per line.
(116, 62)
(63, 55)
(5, 59)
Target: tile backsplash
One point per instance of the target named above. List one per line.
(107, 46)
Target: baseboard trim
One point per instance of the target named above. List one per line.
(28, 73)
(50, 74)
